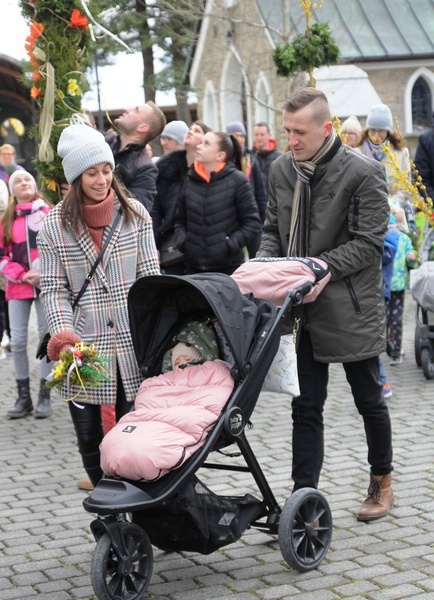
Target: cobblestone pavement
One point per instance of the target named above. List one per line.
(46, 545)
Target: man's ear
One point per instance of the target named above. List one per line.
(143, 128)
(328, 128)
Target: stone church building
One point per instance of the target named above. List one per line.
(386, 55)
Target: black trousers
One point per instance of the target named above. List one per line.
(307, 414)
(88, 427)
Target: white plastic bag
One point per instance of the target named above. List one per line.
(282, 376)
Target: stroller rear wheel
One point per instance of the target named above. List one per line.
(305, 529)
(427, 364)
(122, 578)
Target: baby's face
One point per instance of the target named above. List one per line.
(181, 360)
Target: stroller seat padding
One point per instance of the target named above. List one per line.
(173, 415)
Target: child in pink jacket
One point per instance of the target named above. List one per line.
(19, 264)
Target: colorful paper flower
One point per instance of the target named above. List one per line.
(51, 184)
(78, 20)
(73, 88)
(36, 29)
(35, 92)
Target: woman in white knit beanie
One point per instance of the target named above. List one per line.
(69, 243)
(350, 131)
(379, 135)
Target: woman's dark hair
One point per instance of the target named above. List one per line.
(229, 144)
(202, 125)
(394, 137)
(72, 205)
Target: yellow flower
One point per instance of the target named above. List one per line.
(58, 371)
(403, 183)
(73, 88)
(51, 184)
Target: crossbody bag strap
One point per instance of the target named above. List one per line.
(89, 277)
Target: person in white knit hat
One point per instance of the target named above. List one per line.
(184, 354)
(382, 142)
(351, 130)
(172, 136)
(95, 216)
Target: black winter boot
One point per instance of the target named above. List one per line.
(43, 408)
(23, 405)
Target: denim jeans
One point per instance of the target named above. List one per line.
(19, 315)
(383, 376)
(307, 415)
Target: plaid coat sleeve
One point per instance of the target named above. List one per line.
(101, 317)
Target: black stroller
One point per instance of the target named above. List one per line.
(178, 512)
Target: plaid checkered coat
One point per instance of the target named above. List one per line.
(101, 317)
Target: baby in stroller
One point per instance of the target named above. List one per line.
(173, 412)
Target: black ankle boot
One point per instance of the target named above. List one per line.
(23, 405)
(43, 408)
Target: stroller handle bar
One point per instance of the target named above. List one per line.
(296, 296)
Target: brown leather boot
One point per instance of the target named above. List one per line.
(379, 499)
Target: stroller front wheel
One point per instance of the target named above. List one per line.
(124, 577)
(305, 529)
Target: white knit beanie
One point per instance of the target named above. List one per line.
(379, 117)
(82, 147)
(175, 130)
(15, 175)
(182, 349)
(352, 124)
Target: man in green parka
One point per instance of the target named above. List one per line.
(327, 201)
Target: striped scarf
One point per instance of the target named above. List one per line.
(305, 170)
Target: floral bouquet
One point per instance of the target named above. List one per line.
(81, 366)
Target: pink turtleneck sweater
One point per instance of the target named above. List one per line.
(98, 216)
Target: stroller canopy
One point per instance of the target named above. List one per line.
(159, 305)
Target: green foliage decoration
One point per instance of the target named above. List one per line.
(58, 50)
(315, 48)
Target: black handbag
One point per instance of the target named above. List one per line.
(41, 350)
(169, 253)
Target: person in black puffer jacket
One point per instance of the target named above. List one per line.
(217, 213)
(172, 172)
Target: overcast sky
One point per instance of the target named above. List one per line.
(120, 84)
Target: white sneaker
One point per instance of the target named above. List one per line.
(2, 353)
(5, 340)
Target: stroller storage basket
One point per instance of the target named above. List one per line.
(198, 520)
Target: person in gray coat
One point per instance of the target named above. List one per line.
(79, 228)
(327, 201)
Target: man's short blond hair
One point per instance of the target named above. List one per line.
(309, 96)
(157, 122)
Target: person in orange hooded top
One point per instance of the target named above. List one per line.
(217, 213)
